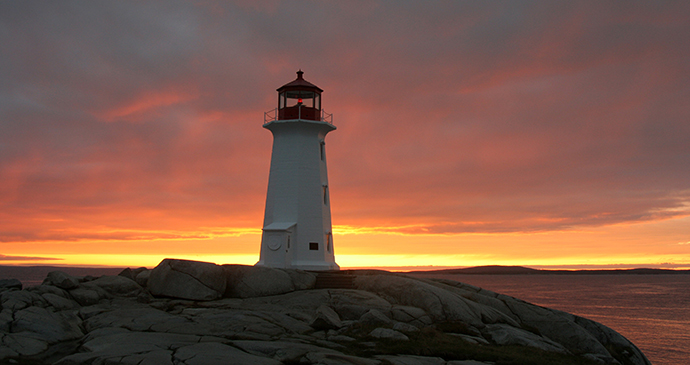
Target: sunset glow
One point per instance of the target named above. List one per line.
(544, 134)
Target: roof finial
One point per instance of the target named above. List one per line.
(299, 74)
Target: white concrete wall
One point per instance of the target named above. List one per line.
(296, 195)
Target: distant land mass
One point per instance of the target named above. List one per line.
(520, 270)
(33, 275)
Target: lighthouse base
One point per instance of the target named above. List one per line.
(303, 265)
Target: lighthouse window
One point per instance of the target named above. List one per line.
(325, 194)
(314, 246)
(323, 150)
(304, 98)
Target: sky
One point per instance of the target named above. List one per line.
(536, 133)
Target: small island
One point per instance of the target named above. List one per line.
(189, 312)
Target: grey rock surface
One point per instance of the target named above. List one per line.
(301, 280)
(86, 297)
(374, 317)
(440, 304)
(249, 282)
(185, 279)
(281, 350)
(214, 353)
(388, 334)
(325, 318)
(52, 327)
(272, 316)
(412, 360)
(20, 299)
(324, 358)
(502, 334)
(62, 280)
(116, 285)
(7, 284)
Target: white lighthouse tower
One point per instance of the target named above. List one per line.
(297, 221)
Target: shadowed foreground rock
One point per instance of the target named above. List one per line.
(186, 312)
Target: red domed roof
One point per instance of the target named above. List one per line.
(299, 84)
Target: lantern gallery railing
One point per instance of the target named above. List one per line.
(326, 117)
(272, 116)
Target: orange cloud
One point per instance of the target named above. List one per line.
(462, 128)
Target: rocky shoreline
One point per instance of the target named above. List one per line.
(188, 312)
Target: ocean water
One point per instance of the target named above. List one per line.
(652, 311)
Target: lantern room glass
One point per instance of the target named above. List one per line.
(308, 99)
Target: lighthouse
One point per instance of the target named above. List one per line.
(297, 221)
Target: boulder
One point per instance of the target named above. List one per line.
(256, 281)
(58, 302)
(85, 296)
(440, 304)
(505, 335)
(352, 304)
(132, 273)
(301, 280)
(325, 318)
(557, 326)
(20, 299)
(44, 289)
(134, 318)
(62, 280)
(143, 278)
(327, 358)
(405, 327)
(375, 318)
(286, 352)
(412, 315)
(388, 334)
(116, 285)
(16, 344)
(51, 327)
(214, 353)
(184, 279)
(6, 318)
(412, 360)
(240, 323)
(10, 284)
(614, 341)
(131, 348)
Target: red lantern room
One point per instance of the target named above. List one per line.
(299, 99)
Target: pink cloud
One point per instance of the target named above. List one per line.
(456, 118)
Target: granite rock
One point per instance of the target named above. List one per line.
(10, 284)
(185, 279)
(62, 280)
(274, 317)
(325, 318)
(388, 334)
(249, 281)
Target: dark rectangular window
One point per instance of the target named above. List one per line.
(325, 194)
(323, 152)
(314, 246)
